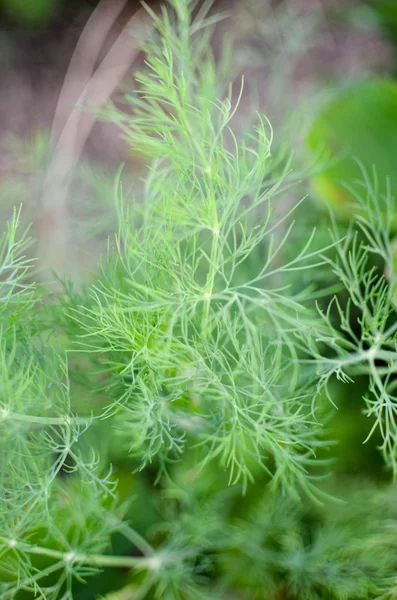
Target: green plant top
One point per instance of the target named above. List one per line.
(202, 360)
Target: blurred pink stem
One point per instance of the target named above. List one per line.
(74, 134)
(84, 58)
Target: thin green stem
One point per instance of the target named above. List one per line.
(134, 537)
(391, 331)
(363, 356)
(37, 420)
(211, 275)
(101, 560)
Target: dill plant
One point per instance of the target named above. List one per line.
(166, 424)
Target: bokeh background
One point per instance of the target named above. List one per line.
(296, 56)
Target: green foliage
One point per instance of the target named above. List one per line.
(190, 307)
(366, 344)
(168, 424)
(15, 291)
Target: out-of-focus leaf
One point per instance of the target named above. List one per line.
(357, 131)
